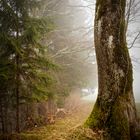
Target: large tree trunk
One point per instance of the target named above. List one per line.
(114, 110)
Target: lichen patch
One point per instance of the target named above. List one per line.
(99, 26)
(110, 41)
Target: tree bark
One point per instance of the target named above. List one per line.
(17, 95)
(1, 117)
(114, 110)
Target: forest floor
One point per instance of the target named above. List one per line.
(62, 127)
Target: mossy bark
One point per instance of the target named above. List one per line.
(114, 110)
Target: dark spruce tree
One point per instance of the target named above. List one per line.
(23, 61)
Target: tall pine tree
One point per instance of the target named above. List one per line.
(22, 54)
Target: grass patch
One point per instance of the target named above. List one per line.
(83, 133)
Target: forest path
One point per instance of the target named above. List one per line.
(63, 127)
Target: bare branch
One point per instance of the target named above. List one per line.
(134, 40)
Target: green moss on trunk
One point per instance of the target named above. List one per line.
(119, 127)
(94, 121)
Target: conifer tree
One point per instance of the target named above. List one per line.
(22, 52)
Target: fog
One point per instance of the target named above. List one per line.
(133, 30)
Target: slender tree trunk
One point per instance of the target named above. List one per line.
(4, 115)
(114, 110)
(50, 106)
(1, 117)
(17, 76)
(17, 94)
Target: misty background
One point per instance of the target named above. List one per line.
(78, 15)
(75, 21)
